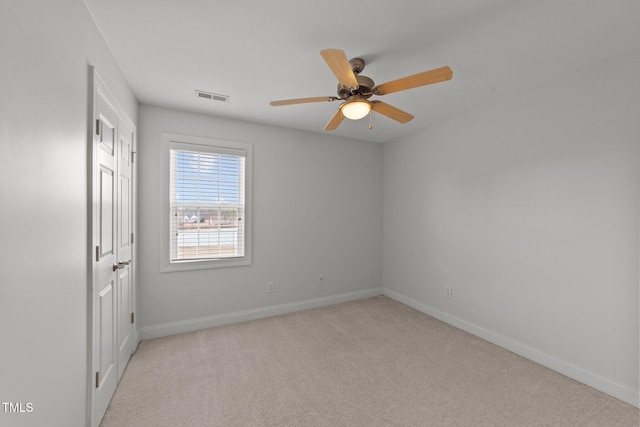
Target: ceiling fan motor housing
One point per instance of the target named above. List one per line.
(365, 86)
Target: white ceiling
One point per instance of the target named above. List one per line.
(257, 51)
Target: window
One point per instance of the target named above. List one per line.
(207, 203)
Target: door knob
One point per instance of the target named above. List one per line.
(121, 264)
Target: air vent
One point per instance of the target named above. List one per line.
(212, 96)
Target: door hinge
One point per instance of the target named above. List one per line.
(133, 156)
(97, 253)
(97, 126)
(97, 379)
(132, 238)
(132, 317)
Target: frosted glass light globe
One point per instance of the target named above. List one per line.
(355, 110)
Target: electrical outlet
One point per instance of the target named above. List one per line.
(448, 292)
(271, 288)
(320, 280)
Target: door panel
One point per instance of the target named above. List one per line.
(125, 140)
(124, 217)
(107, 355)
(125, 340)
(107, 129)
(124, 243)
(105, 210)
(105, 343)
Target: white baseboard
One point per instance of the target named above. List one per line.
(166, 329)
(577, 373)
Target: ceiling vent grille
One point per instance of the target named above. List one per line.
(212, 96)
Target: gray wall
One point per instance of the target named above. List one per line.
(529, 210)
(45, 50)
(317, 209)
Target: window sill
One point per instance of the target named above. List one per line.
(204, 264)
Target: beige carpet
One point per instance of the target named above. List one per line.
(373, 362)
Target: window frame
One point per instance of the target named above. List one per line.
(169, 141)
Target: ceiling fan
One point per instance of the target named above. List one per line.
(355, 89)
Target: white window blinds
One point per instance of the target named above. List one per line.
(207, 204)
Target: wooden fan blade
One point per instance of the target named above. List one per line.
(303, 100)
(421, 79)
(335, 121)
(339, 64)
(391, 111)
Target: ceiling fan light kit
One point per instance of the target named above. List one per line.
(355, 89)
(356, 109)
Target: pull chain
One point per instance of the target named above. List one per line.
(370, 120)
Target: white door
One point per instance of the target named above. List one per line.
(104, 287)
(113, 220)
(124, 243)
